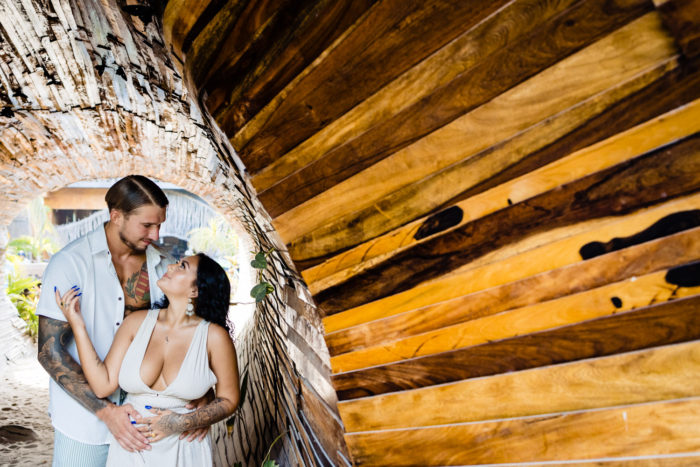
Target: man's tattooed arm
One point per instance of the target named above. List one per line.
(54, 336)
(170, 422)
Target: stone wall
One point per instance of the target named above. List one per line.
(88, 91)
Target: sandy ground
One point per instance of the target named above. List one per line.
(26, 435)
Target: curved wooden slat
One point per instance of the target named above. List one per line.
(660, 324)
(660, 373)
(618, 432)
(471, 149)
(616, 266)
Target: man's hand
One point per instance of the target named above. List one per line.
(117, 420)
(198, 433)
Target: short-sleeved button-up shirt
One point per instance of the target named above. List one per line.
(87, 263)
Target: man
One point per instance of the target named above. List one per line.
(116, 267)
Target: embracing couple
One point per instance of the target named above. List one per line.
(134, 342)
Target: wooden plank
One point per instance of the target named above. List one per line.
(682, 18)
(481, 143)
(661, 373)
(660, 324)
(394, 37)
(237, 91)
(577, 27)
(646, 180)
(435, 71)
(617, 297)
(636, 430)
(616, 266)
(509, 264)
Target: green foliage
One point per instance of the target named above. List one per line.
(24, 294)
(216, 239)
(267, 462)
(263, 288)
(33, 247)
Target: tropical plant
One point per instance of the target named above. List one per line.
(24, 295)
(216, 239)
(36, 248)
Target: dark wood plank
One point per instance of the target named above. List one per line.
(676, 88)
(634, 261)
(682, 17)
(659, 324)
(555, 39)
(396, 35)
(640, 182)
(290, 42)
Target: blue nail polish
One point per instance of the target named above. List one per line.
(148, 407)
(79, 294)
(133, 422)
(54, 288)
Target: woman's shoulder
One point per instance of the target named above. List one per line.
(218, 335)
(135, 318)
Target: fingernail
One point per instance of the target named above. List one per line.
(148, 407)
(133, 422)
(54, 288)
(74, 287)
(79, 294)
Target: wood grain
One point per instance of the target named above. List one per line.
(617, 297)
(509, 264)
(660, 324)
(616, 266)
(436, 168)
(553, 37)
(644, 181)
(636, 430)
(393, 38)
(645, 137)
(681, 18)
(661, 373)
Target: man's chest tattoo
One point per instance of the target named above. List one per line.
(137, 288)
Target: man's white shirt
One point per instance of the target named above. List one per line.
(87, 263)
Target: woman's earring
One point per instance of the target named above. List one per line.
(190, 307)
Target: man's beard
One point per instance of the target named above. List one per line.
(128, 243)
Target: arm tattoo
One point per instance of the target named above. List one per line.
(54, 336)
(211, 413)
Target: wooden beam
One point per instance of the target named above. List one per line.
(618, 297)
(438, 167)
(624, 188)
(661, 373)
(660, 324)
(394, 37)
(510, 264)
(577, 25)
(636, 430)
(76, 198)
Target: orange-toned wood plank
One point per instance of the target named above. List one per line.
(654, 133)
(660, 324)
(682, 17)
(450, 160)
(652, 178)
(505, 269)
(636, 430)
(630, 294)
(661, 373)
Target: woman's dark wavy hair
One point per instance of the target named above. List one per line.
(213, 292)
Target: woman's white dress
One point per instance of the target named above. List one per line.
(193, 381)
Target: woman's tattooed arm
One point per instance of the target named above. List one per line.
(54, 336)
(166, 422)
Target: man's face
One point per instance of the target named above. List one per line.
(141, 227)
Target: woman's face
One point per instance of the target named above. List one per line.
(180, 278)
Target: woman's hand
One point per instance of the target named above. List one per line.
(70, 305)
(163, 423)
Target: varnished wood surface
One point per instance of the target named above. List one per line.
(582, 23)
(661, 373)
(510, 264)
(681, 18)
(635, 430)
(664, 173)
(438, 167)
(617, 297)
(635, 261)
(659, 324)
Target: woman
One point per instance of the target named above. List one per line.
(164, 358)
